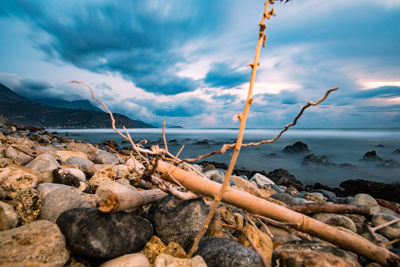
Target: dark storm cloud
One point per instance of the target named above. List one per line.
(223, 75)
(140, 40)
(35, 85)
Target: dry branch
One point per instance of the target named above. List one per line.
(329, 208)
(263, 207)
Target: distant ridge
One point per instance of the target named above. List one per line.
(22, 111)
(59, 103)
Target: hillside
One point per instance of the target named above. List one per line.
(22, 111)
(59, 103)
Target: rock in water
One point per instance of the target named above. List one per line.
(371, 156)
(317, 159)
(177, 220)
(36, 244)
(311, 253)
(298, 147)
(219, 252)
(98, 235)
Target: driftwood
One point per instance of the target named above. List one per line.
(329, 208)
(263, 207)
(115, 197)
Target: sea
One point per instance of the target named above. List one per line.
(343, 147)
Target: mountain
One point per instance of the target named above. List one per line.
(22, 111)
(59, 103)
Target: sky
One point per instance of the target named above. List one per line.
(184, 62)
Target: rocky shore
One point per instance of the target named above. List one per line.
(50, 188)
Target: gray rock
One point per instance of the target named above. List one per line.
(104, 235)
(78, 161)
(177, 220)
(298, 147)
(44, 164)
(317, 159)
(219, 252)
(45, 188)
(366, 200)
(281, 235)
(58, 201)
(36, 244)
(220, 181)
(15, 178)
(104, 157)
(311, 253)
(261, 180)
(215, 174)
(71, 176)
(17, 155)
(392, 231)
(336, 220)
(326, 193)
(8, 217)
(279, 188)
(285, 198)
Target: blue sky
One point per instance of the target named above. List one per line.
(184, 62)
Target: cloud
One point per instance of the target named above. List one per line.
(225, 76)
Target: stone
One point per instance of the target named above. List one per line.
(177, 220)
(246, 186)
(326, 193)
(261, 180)
(8, 217)
(39, 243)
(176, 250)
(27, 204)
(281, 236)
(128, 260)
(390, 192)
(71, 176)
(17, 155)
(298, 147)
(316, 197)
(371, 156)
(15, 178)
(336, 220)
(64, 155)
(219, 252)
(317, 159)
(153, 248)
(165, 260)
(5, 162)
(311, 253)
(78, 161)
(366, 200)
(44, 164)
(221, 180)
(380, 238)
(104, 235)
(261, 240)
(291, 190)
(215, 174)
(390, 232)
(86, 148)
(104, 157)
(285, 198)
(45, 188)
(209, 167)
(103, 176)
(60, 200)
(123, 171)
(285, 178)
(359, 222)
(2, 193)
(134, 164)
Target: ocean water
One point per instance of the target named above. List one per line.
(339, 145)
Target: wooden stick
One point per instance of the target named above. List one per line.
(329, 208)
(376, 228)
(263, 207)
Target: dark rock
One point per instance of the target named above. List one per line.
(285, 178)
(217, 165)
(380, 145)
(396, 151)
(71, 176)
(202, 142)
(173, 141)
(388, 164)
(371, 156)
(285, 198)
(298, 147)
(390, 192)
(326, 193)
(311, 253)
(317, 159)
(92, 233)
(110, 143)
(177, 220)
(219, 252)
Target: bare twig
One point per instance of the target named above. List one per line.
(265, 228)
(239, 140)
(376, 228)
(273, 222)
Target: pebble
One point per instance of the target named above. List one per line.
(153, 248)
(261, 240)
(366, 200)
(44, 164)
(78, 161)
(165, 260)
(285, 198)
(128, 260)
(8, 217)
(105, 175)
(326, 193)
(15, 178)
(64, 155)
(27, 204)
(60, 200)
(261, 180)
(390, 232)
(219, 252)
(214, 174)
(311, 253)
(39, 243)
(71, 176)
(336, 220)
(17, 155)
(246, 186)
(177, 220)
(104, 157)
(94, 234)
